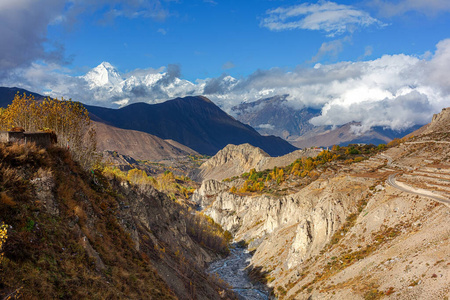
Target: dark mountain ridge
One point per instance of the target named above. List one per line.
(195, 122)
(7, 95)
(139, 145)
(192, 121)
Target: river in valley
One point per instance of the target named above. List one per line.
(232, 270)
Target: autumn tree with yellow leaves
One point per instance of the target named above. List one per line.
(3, 237)
(68, 119)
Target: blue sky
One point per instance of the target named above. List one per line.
(208, 38)
(355, 60)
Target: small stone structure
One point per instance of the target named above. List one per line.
(41, 139)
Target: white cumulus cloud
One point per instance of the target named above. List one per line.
(326, 16)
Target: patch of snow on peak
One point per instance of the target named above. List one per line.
(103, 75)
(151, 79)
(230, 79)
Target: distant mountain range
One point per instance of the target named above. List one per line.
(192, 121)
(199, 124)
(269, 116)
(344, 135)
(156, 131)
(105, 86)
(110, 88)
(275, 116)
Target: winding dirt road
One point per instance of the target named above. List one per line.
(405, 188)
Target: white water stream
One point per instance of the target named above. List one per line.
(232, 270)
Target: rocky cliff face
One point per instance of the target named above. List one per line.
(155, 221)
(352, 233)
(234, 160)
(230, 161)
(440, 122)
(311, 216)
(439, 125)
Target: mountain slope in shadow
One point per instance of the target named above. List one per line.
(192, 121)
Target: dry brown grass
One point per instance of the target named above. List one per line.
(45, 254)
(44, 257)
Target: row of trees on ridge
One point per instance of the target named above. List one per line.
(68, 119)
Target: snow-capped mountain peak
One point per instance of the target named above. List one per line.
(112, 89)
(229, 79)
(103, 75)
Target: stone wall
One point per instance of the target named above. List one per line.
(4, 136)
(41, 139)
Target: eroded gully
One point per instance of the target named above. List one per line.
(232, 270)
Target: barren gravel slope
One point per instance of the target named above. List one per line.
(137, 144)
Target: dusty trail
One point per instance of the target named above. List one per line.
(405, 188)
(408, 189)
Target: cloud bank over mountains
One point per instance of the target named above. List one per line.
(393, 91)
